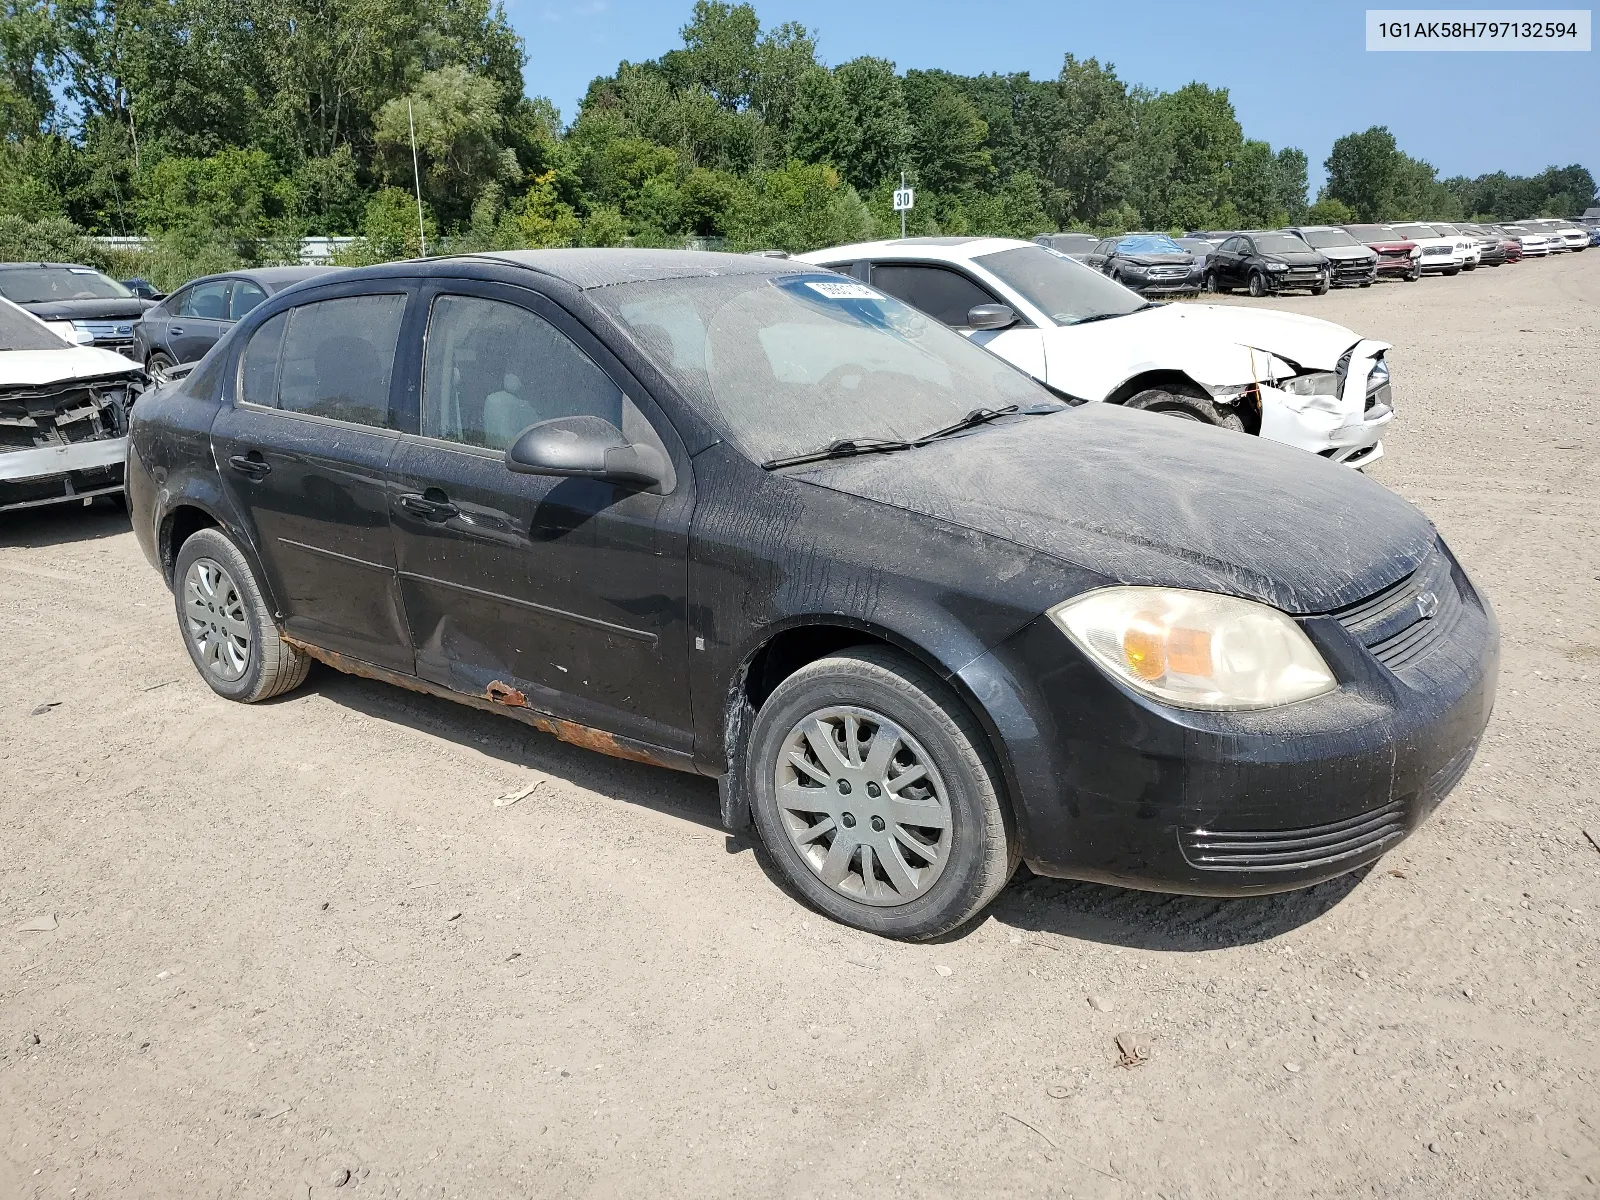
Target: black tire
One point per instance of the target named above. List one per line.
(1450, 271)
(1258, 285)
(1412, 275)
(1368, 283)
(1187, 405)
(982, 851)
(1213, 284)
(272, 666)
(158, 364)
(1321, 289)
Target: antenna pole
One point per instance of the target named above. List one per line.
(416, 178)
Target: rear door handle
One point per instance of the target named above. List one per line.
(174, 328)
(250, 464)
(428, 508)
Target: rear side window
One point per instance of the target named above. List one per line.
(944, 295)
(206, 301)
(245, 297)
(331, 358)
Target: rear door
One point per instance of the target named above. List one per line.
(304, 450)
(567, 595)
(947, 294)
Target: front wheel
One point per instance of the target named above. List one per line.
(227, 627)
(1413, 275)
(876, 796)
(1258, 284)
(1186, 406)
(1451, 271)
(1321, 289)
(157, 366)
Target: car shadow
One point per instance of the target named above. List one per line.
(675, 793)
(59, 524)
(1116, 916)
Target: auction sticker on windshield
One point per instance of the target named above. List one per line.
(843, 291)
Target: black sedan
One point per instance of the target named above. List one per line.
(1151, 264)
(1266, 264)
(78, 302)
(746, 518)
(190, 321)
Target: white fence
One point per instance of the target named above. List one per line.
(313, 250)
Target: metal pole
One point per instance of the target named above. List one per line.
(416, 178)
(902, 211)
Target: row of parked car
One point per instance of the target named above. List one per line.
(798, 525)
(1314, 258)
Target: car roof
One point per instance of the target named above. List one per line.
(13, 266)
(597, 268)
(276, 278)
(951, 249)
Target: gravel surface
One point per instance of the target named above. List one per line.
(257, 983)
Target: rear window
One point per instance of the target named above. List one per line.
(19, 331)
(331, 358)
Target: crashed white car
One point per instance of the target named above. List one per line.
(63, 414)
(1289, 378)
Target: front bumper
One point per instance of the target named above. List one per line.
(55, 474)
(1112, 787)
(1347, 429)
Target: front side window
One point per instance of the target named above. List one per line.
(245, 296)
(206, 301)
(943, 294)
(330, 358)
(492, 369)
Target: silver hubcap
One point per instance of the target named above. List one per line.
(863, 805)
(214, 611)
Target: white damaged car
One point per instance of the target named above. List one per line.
(63, 414)
(1292, 379)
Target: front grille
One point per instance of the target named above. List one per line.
(1406, 620)
(1446, 777)
(61, 416)
(1168, 272)
(1351, 269)
(1395, 253)
(1295, 849)
(1437, 252)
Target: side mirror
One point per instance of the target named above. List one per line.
(585, 448)
(990, 316)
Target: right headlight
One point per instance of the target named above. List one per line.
(1196, 649)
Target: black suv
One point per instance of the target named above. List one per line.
(1266, 264)
(750, 518)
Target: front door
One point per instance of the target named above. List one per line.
(201, 318)
(304, 450)
(948, 295)
(569, 595)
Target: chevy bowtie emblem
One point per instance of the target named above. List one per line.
(1427, 604)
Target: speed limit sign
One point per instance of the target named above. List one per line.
(904, 198)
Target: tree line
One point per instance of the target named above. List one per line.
(227, 129)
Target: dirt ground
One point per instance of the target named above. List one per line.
(298, 939)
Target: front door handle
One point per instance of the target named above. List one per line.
(429, 508)
(251, 464)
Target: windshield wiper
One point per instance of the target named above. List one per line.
(850, 447)
(843, 448)
(1112, 315)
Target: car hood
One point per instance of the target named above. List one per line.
(1144, 499)
(131, 308)
(1297, 258)
(1230, 332)
(39, 368)
(1156, 260)
(1344, 253)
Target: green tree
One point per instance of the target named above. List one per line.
(823, 125)
(1253, 176)
(799, 207)
(947, 135)
(236, 195)
(1364, 173)
(1090, 135)
(1290, 171)
(1328, 211)
(877, 106)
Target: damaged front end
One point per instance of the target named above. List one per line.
(64, 441)
(1338, 412)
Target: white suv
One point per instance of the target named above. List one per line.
(1289, 378)
(1444, 249)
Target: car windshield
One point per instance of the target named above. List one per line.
(1072, 241)
(1062, 288)
(796, 363)
(41, 285)
(1415, 231)
(1447, 230)
(19, 331)
(1279, 243)
(1373, 233)
(1323, 239)
(1196, 245)
(1149, 243)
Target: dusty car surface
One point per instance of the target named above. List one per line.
(746, 518)
(63, 414)
(1285, 377)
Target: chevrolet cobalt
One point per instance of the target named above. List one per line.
(751, 519)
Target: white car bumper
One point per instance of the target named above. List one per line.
(1345, 429)
(41, 462)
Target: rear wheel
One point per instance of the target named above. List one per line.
(227, 627)
(1212, 283)
(1186, 405)
(1258, 284)
(876, 796)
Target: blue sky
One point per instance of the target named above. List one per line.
(1299, 74)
